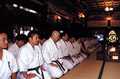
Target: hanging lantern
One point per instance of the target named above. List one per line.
(81, 15)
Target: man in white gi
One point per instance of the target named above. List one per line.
(19, 42)
(72, 50)
(30, 60)
(50, 50)
(78, 54)
(64, 51)
(8, 65)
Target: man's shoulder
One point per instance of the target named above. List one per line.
(8, 53)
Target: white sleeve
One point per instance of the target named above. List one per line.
(23, 60)
(41, 60)
(45, 52)
(13, 64)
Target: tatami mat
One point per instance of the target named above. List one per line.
(111, 71)
(88, 69)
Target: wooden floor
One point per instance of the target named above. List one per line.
(111, 71)
(88, 69)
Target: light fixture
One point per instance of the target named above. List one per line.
(21, 30)
(59, 18)
(108, 6)
(115, 57)
(112, 49)
(31, 28)
(21, 7)
(109, 18)
(15, 5)
(30, 10)
(81, 15)
(26, 32)
(111, 8)
(108, 3)
(26, 9)
(61, 31)
(106, 9)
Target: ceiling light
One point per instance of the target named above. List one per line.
(31, 28)
(109, 18)
(106, 9)
(61, 31)
(32, 11)
(59, 17)
(15, 5)
(81, 15)
(21, 7)
(112, 49)
(111, 9)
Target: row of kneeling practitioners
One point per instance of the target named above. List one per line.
(38, 58)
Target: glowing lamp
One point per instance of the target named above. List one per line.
(113, 49)
(109, 18)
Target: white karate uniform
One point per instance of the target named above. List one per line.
(8, 65)
(50, 51)
(64, 52)
(72, 52)
(31, 57)
(14, 49)
(77, 47)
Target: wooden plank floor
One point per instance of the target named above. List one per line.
(111, 71)
(88, 69)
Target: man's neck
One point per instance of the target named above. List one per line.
(1, 53)
(53, 40)
(31, 44)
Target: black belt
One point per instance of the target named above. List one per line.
(37, 70)
(60, 65)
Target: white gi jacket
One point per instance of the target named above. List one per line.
(72, 51)
(29, 57)
(14, 49)
(63, 46)
(8, 65)
(50, 50)
(77, 47)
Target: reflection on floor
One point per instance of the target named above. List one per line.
(111, 70)
(90, 69)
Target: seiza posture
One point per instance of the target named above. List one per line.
(8, 66)
(19, 42)
(64, 53)
(50, 50)
(30, 60)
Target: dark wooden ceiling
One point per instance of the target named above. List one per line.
(93, 8)
(69, 9)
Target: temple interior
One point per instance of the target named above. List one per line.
(96, 23)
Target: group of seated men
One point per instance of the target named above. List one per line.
(37, 58)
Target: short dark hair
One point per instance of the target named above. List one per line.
(32, 33)
(21, 37)
(63, 34)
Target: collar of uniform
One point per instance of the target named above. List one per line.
(32, 47)
(51, 40)
(16, 45)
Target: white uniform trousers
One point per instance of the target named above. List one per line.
(55, 72)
